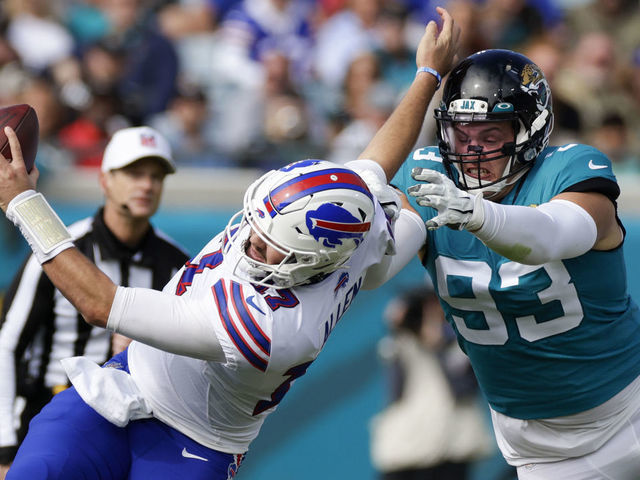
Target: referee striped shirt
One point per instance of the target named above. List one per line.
(39, 327)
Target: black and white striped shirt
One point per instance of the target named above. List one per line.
(39, 327)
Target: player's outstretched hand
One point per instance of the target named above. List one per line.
(456, 208)
(438, 50)
(14, 178)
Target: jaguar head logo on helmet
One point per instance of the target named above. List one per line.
(496, 108)
(313, 212)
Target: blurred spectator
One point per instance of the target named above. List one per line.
(395, 58)
(254, 27)
(509, 23)
(363, 72)
(372, 109)
(468, 17)
(36, 34)
(632, 84)
(86, 136)
(103, 66)
(289, 130)
(88, 86)
(182, 18)
(344, 36)
(285, 137)
(433, 427)
(245, 69)
(188, 126)
(620, 19)
(150, 67)
(12, 75)
(590, 81)
(613, 138)
(85, 21)
(41, 94)
(550, 57)
(353, 111)
(277, 119)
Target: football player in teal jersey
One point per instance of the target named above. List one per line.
(530, 270)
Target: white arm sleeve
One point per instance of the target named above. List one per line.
(167, 322)
(553, 231)
(410, 234)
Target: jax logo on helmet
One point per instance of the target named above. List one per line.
(332, 224)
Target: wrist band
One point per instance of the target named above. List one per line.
(39, 224)
(432, 72)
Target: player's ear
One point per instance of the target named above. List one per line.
(102, 179)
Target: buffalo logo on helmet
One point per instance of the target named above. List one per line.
(332, 224)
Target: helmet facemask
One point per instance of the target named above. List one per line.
(494, 86)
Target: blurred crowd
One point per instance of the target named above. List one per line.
(260, 83)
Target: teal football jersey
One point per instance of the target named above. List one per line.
(544, 340)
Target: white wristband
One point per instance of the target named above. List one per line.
(432, 72)
(40, 225)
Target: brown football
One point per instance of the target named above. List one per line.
(24, 121)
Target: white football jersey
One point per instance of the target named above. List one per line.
(269, 337)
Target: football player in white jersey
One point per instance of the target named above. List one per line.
(531, 272)
(216, 351)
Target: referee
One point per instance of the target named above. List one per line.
(39, 327)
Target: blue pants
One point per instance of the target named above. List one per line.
(68, 440)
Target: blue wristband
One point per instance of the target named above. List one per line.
(432, 72)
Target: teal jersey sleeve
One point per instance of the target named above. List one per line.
(427, 157)
(562, 168)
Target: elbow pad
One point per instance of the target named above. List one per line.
(553, 231)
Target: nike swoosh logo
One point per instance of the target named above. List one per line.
(593, 166)
(250, 302)
(186, 454)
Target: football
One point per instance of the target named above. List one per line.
(24, 121)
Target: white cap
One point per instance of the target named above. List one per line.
(131, 144)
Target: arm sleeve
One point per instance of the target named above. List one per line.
(552, 231)
(410, 234)
(167, 322)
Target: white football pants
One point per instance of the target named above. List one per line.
(617, 459)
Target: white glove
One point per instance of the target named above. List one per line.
(388, 197)
(456, 208)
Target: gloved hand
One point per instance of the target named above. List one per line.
(456, 208)
(388, 197)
